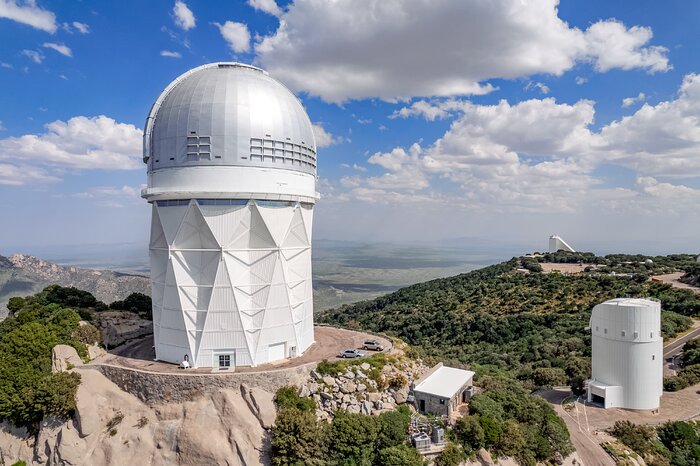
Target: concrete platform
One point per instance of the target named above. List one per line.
(330, 341)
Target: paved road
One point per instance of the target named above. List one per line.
(676, 346)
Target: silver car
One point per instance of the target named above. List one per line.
(373, 345)
(350, 354)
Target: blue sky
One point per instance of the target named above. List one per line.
(505, 119)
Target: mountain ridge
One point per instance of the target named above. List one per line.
(23, 274)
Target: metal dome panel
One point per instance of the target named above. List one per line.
(229, 114)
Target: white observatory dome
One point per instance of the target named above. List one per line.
(219, 117)
(232, 180)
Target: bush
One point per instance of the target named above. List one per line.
(469, 433)
(88, 334)
(15, 304)
(452, 455)
(639, 438)
(399, 455)
(66, 296)
(137, 303)
(298, 438)
(549, 377)
(288, 397)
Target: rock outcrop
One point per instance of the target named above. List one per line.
(356, 392)
(112, 427)
(118, 327)
(64, 357)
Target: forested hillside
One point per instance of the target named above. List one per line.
(531, 325)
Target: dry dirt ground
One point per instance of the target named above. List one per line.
(672, 279)
(548, 267)
(330, 341)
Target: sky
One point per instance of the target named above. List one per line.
(440, 121)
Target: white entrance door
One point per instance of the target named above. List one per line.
(276, 352)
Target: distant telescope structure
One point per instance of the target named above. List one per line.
(556, 244)
(627, 354)
(231, 161)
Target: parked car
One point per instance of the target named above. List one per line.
(373, 345)
(350, 354)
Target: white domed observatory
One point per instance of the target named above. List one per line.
(627, 354)
(232, 180)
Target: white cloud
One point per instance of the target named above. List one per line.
(268, 6)
(27, 12)
(2, 128)
(354, 49)
(18, 175)
(169, 53)
(236, 36)
(662, 139)
(79, 143)
(542, 156)
(81, 27)
(33, 55)
(580, 80)
(183, 16)
(6, 65)
(323, 137)
(629, 101)
(111, 196)
(60, 48)
(611, 45)
(63, 76)
(543, 88)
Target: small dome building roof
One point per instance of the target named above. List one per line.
(229, 114)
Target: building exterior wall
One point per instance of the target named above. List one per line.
(231, 280)
(438, 405)
(627, 351)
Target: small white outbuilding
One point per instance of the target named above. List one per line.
(442, 389)
(627, 354)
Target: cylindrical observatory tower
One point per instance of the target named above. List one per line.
(232, 180)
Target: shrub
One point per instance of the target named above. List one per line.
(549, 376)
(638, 437)
(288, 397)
(469, 433)
(88, 334)
(399, 455)
(452, 455)
(137, 303)
(298, 438)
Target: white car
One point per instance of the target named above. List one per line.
(350, 354)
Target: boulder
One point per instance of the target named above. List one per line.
(348, 387)
(361, 387)
(315, 375)
(373, 396)
(354, 409)
(304, 391)
(326, 396)
(365, 366)
(95, 351)
(313, 388)
(484, 457)
(401, 395)
(63, 356)
(379, 405)
(328, 380)
(349, 375)
(366, 407)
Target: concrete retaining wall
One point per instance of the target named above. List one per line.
(154, 388)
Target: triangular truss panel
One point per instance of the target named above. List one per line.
(194, 232)
(170, 219)
(157, 235)
(225, 221)
(277, 220)
(296, 236)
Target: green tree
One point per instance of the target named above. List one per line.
(352, 438)
(399, 455)
(393, 427)
(15, 304)
(297, 439)
(469, 433)
(549, 376)
(452, 455)
(512, 441)
(492, 431)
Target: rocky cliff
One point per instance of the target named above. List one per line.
(21, 275)
(112, 427)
